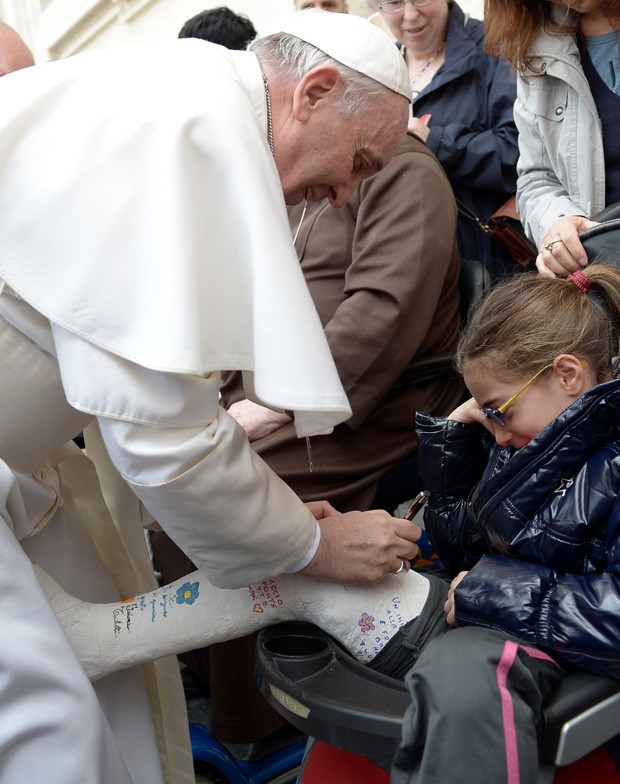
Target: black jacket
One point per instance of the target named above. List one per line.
(472, 131)
(539, 528)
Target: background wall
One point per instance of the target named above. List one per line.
(58, 28)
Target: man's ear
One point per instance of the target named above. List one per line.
(572, 373)
(314, 89)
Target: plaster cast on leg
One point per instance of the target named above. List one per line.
(191, 613)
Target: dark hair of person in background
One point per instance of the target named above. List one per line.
(510, 31)
(220, 26)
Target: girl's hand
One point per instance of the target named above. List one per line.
(448, 607)
(469, 412)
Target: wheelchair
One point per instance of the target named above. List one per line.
(355, 714)
(322, 690)
(216, 763)
(215, 760)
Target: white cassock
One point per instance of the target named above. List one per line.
(144, 247)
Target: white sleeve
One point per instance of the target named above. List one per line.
(46, 698)
(190, 464)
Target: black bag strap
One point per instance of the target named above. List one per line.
(467, 213)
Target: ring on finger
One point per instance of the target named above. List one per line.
(403, 568)
(550, 245)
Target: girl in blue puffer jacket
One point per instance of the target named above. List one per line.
(524, 510)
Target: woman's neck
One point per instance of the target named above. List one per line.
(415, 58)
(423, 69)
(595, 23)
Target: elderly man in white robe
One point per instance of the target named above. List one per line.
(144, 247)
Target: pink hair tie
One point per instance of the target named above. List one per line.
(581, 280)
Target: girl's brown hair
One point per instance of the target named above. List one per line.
(522, 324)
(510, 26)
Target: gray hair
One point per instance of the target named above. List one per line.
(290, 58)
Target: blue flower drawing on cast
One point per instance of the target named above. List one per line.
(366, 623)
(187, 593)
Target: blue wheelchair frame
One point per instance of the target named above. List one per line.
(278, 768)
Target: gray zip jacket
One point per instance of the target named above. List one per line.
(561, 167)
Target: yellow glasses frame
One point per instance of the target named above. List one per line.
(497, 414)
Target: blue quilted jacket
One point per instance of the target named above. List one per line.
(473, 133)
(538, 528)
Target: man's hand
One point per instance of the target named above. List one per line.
(562, 252)
(321, 509)
(257, 421)
(362, 547)
(448, 607)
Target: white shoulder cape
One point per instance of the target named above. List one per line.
(141, 209)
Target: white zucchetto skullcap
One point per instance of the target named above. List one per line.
(352, 41)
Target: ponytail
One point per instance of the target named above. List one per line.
(523, 323)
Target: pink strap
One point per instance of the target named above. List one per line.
(581, 280)
(506, 661)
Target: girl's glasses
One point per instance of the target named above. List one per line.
(396, 6)
(497, 414)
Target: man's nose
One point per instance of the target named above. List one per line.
(340, 194)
